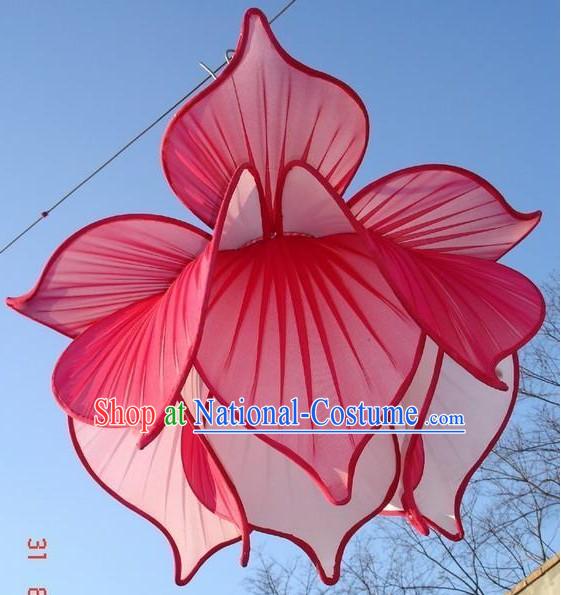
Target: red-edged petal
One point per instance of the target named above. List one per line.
(142, 354)
(107, 266)
(444, 209)
(310, 206)
(280, 498)
(439, 467)
(435, 231)
(244, 217)
(419, 392)
(477, 310)
(299, 316)
(139, 355)
(151, 482)
(204, 477)
(210, 484)
(203, 470)
(265, 109)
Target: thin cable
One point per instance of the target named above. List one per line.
(108, 161)
(281, 11)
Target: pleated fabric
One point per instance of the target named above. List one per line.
(298, 315)
(107, 266)
(436, 468)
(152, 483)
(444, 209)
(436, 232)
(264, 111)
(280, 498)
(392, 297)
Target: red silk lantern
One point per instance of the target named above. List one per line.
(394, 296)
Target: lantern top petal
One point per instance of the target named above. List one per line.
(264, 110)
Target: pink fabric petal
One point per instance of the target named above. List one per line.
(309, 206)
(203, 470)
(264, 110)
(298, 316)
(477, 310)
(140, 355)
(205, 478)
(439, 467)
(280, 498)
(435, 231)
(151, 482)
(107, 266)
(210, 484)
(418, 393)
(444, 209)
(244, 220)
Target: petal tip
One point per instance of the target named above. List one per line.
(533, 216)
(331, 577)
(414, 516)
(13, 302)
(253, 19)
(19, 303)
(493, 377)
(537, 215)
(254, 14)
(329, 580)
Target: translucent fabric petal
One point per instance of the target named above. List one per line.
(435, 231)
(477, 310)
(419, 392)
(264, 110)
(437, 468)
(293, 315)
(310, 206)
(280, 498)
(108, 266)
(444, 209)
(243, 220)
(140, 355)
(151, 482)
(203, 470)
(210, 484)
(395, 297)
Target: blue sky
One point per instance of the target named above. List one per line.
(473, 83)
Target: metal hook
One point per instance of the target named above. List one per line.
(229, 54)
(207, 69)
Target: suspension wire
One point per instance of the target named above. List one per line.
(211, 75)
